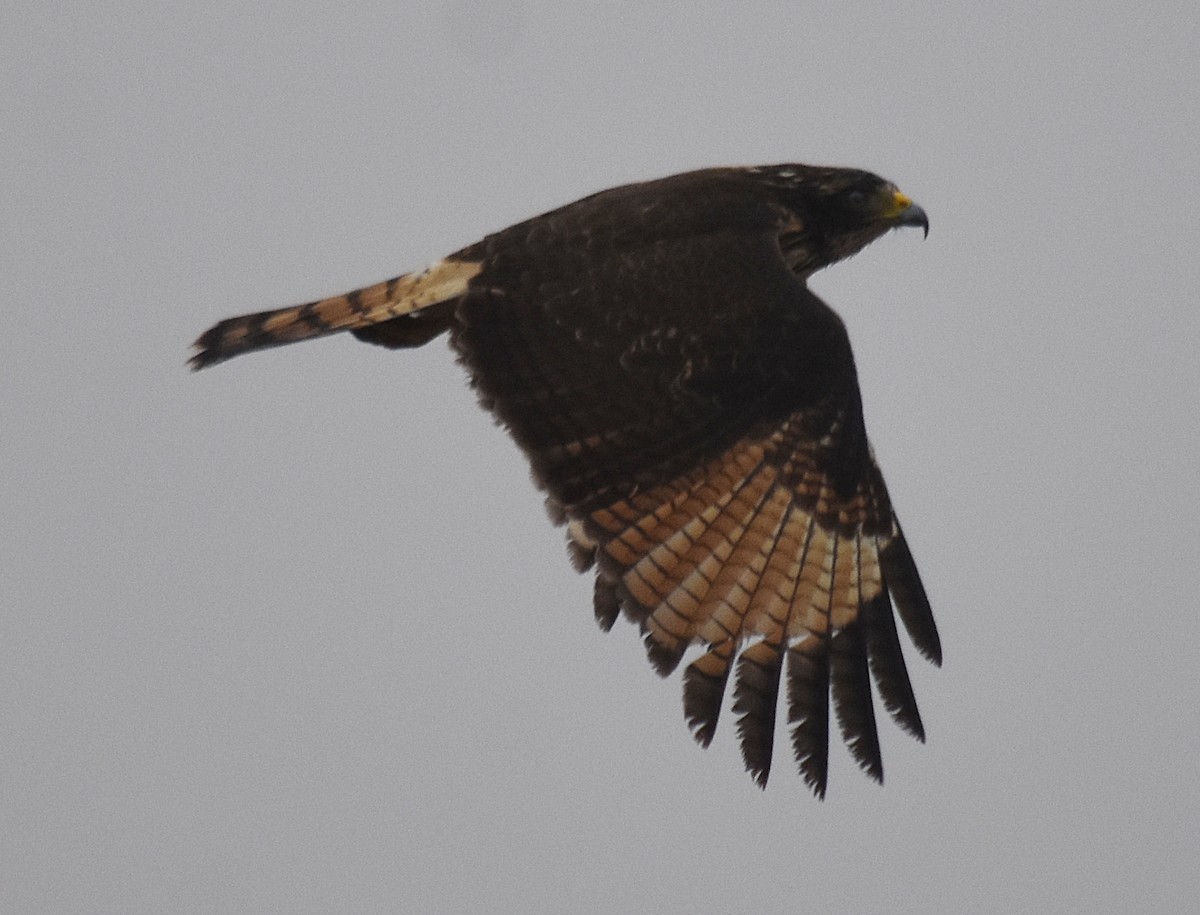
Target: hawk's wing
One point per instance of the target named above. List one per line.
(693, 412)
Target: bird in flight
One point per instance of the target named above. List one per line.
(692, 411)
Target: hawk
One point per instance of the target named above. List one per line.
(692, 411)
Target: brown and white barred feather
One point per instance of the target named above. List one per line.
(756, 549)
(361, 311)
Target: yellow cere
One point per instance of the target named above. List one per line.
(900, 203)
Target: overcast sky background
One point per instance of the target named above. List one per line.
(295, 635)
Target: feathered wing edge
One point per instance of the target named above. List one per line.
(833, 666)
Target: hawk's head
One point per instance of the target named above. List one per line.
(834, 212)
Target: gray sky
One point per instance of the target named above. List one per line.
(294, 634)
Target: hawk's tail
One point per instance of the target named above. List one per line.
(402, 295)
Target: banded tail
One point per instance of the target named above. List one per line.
(359, 311)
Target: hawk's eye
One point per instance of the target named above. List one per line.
(856, 199)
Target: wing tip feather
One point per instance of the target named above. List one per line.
(912, 602)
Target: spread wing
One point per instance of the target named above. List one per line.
(692, 411)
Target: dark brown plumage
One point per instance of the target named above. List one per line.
(692, 411)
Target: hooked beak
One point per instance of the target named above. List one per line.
(901, 211)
